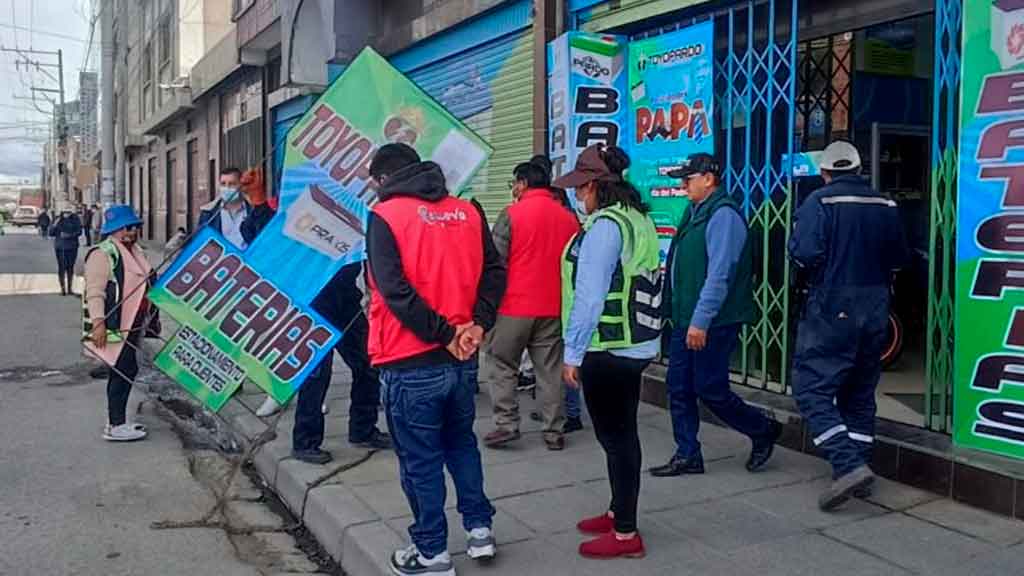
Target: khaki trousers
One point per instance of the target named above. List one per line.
(503, 348)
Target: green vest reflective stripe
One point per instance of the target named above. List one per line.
(631, 312)
(689, 267)
(112, 296)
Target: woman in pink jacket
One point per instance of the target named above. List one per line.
(117, 276)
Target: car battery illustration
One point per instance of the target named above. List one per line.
(1008, 32)
(318, 221)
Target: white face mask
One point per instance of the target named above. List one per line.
(228, 194)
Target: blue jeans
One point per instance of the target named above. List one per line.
(572, 403)
(704, 374)
(430, 412)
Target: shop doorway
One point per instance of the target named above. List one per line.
(874, 86)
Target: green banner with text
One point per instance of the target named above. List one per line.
(989, 384)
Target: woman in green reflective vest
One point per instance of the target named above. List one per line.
(611, 293)
(114, 313)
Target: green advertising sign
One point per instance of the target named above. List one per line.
(671, 96)
(989, 367)
(186, 358)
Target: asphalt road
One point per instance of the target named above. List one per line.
(23, 250)
(71, 503)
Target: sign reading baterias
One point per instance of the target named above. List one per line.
(326, 190)
(248, 315)
(671, 95)
(586, 95)
(237, 323)
(989, 384)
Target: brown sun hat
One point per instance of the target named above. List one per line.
(589, 167)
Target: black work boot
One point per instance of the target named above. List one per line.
(844, 487)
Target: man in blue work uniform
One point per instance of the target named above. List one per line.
(710, 295)
(848, 240)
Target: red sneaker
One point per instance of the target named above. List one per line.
(602, 524)
(607, 546)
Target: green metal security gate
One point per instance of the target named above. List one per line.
(756, 83)
(942, 238)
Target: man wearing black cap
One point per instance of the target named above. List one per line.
(710, 295)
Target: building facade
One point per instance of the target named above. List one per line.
(168, 124)
(789, 77)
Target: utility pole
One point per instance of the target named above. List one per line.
(62, 121)
(25, 59)
(107, 153)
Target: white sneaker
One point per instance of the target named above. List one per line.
(324, 409)
(480, 544)
(123, 433)
(268, 408)
(409, 562)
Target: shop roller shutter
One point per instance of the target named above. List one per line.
(490, 88)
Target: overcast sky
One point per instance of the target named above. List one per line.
(41, 25)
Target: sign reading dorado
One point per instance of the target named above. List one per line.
(671, 96)
(235, 320)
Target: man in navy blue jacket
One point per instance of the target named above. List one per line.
(848, 240)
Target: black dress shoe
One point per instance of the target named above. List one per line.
(572, 425)
(376, 441)
(314, 456)
(678, 466)
(762, 449)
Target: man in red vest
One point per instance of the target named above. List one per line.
(530, 235)
(435, 282)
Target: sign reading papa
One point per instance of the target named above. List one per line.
(243, 315)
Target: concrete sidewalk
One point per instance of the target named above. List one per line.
(726, 521)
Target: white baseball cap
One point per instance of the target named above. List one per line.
(840, 156)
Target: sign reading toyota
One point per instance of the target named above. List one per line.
(247, 314)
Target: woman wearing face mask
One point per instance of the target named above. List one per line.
(66, 231)
(611, 290)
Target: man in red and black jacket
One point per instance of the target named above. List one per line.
(436, 281)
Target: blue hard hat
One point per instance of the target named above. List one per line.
(117, 217)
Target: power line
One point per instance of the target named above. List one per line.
(22, 108)
(10, 26)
